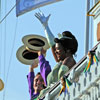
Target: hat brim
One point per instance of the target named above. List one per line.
(27, 57)
(35, 42)
(1, 85)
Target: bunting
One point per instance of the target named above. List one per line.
(87, 68)
(23, 6)
(68, 84)
(65, 88)
(93, 59)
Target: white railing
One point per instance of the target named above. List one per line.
(84, 87)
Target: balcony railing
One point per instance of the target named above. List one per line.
(83, 87)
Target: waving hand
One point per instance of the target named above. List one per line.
(42, 18)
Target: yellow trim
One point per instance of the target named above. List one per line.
(92, 9)
(62, 90)
(90, 15)
(34, 51)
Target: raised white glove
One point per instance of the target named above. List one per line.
(44, 20)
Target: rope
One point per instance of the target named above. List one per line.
(0, 39)
(1, 48)
(5, 33)
(9, 12)
(12, 49)
(4, 49)
(5, 46)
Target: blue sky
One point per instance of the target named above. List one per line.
(65, 15)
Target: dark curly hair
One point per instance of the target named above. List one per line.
(68, 41)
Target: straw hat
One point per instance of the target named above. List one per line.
(1, 85)
(27, 57)
(35, 42)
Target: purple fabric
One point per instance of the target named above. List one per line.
(45, 69)
(30, 78)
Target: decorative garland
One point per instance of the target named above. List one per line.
(92, 59)
(65, 87)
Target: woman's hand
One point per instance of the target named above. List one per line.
(42, 51)
(34, 65)
(42, 18)
(90, 56)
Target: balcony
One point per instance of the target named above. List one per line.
(84, 86)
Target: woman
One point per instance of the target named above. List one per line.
(63, 49)
(38, 82)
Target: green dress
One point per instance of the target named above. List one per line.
(58, 71)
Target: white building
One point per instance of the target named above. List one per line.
(84, 87)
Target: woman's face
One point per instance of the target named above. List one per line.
(38, 83)
(60, 53)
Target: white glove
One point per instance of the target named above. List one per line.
(42, 18)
